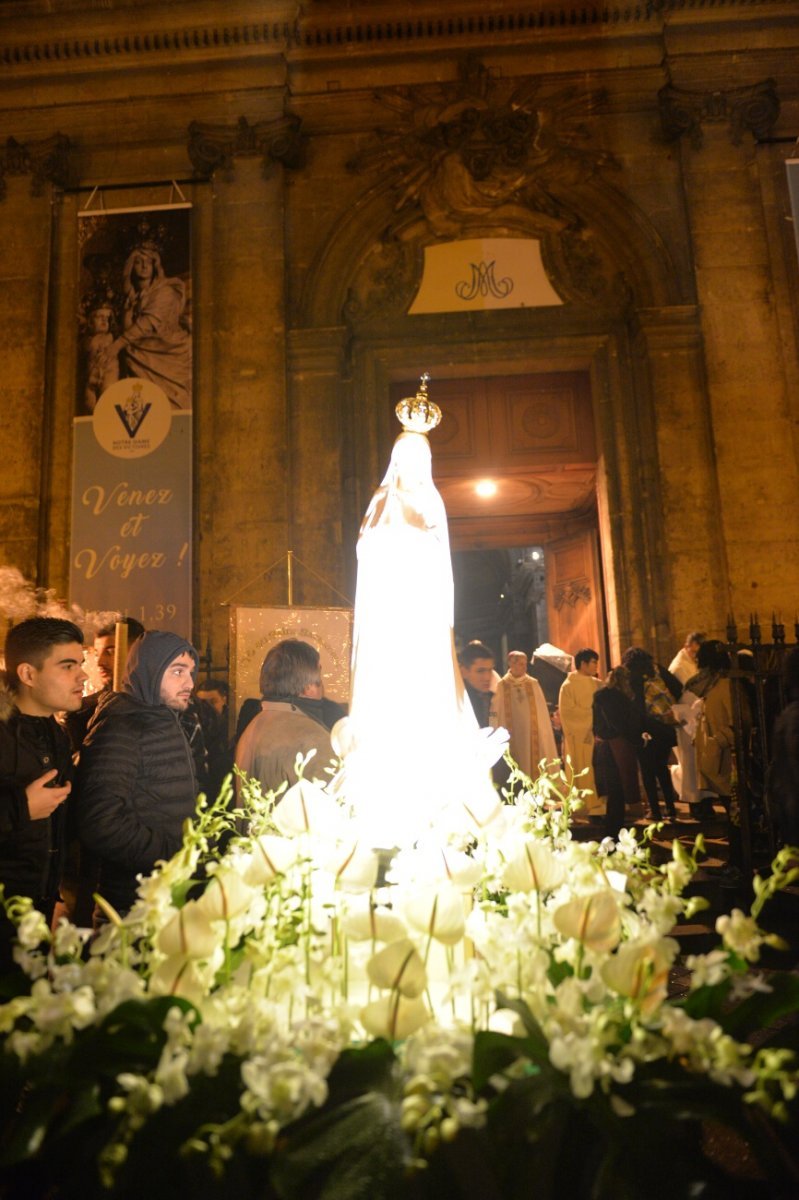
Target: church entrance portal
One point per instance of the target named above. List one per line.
(515, 460)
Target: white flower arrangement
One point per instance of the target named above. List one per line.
(274, 1002)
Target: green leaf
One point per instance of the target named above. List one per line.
(367, 1068)
(493, 1052)
(353, 1151)
(762, 1009)
(707, 1001)
(539, 1047)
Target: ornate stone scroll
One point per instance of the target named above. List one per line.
(46, 161)
(214, 147)
(754, 108)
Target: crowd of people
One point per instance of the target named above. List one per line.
(95, 789)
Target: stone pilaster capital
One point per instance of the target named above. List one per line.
(46, 161)
(215, 147)
(754, 108)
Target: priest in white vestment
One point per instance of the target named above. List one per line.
(520, 707)
(576, 707)
(683, 665)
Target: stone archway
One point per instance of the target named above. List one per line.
(624, 321)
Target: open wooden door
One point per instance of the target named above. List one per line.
(574, 594)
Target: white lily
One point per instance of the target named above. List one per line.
(179, 975)
(271, 856)
(394, 1017)
(354, 867)
(306, 808)
(593, 920)
(399, 967)
(640, 970)
(226, 896)
(534, 868)
(190, 933)
(366, 921)
(437, 912)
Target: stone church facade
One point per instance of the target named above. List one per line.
(328, 148)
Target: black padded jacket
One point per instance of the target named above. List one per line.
(31, 851)
(136, 779)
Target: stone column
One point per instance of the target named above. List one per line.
(318, 434)
(749, 405)
(692, 567)
(25, 265)
(241, 430)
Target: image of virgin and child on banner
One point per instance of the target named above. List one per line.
(131, 486)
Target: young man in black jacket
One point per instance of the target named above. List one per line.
(44, 676)
(137, 779)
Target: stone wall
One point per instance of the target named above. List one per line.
(671, 244)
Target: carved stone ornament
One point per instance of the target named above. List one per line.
(754, 108)
(46, 161)
(385, 283)
(571, 593)
(463, 150)
(214, 147)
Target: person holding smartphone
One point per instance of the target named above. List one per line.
(44, 676)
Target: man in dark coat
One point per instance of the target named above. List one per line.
(137, 779)
(44, 676)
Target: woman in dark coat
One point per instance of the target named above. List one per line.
(617, 732)
(654, 691)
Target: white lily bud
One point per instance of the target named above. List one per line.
(271, 856)
(306, 808)
(593, 920)
(398, 966)
(364, 922)
(226, 896)
(189, 934)
(534, 868)
(394, 1017)
(437, 912)
(178, 976)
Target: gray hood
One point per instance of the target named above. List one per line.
(149, 657)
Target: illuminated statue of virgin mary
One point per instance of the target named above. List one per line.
(414, 758)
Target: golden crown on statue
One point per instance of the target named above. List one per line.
(419, 414)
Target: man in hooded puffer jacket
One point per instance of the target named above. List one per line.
(138, 781)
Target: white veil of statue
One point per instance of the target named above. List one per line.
(414, 757)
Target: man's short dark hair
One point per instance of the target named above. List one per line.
(289, 668)
(695, 636)
(135, 629)
(31, 641)
(214, 685)
(586, 655)
(713, 655)
(637, 660)
(472, 651)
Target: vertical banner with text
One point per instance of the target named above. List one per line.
(131, 488)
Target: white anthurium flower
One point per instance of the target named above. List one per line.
(368, 922)
(394, 1017)
(190, 933)
(640, 970)
(448, 863)
(226, 896)
(593, 920)
(179, 976)
(398, 966)
(437, 912)
(353, 866)
(306, 808)
(534, 868)
(271, 855)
